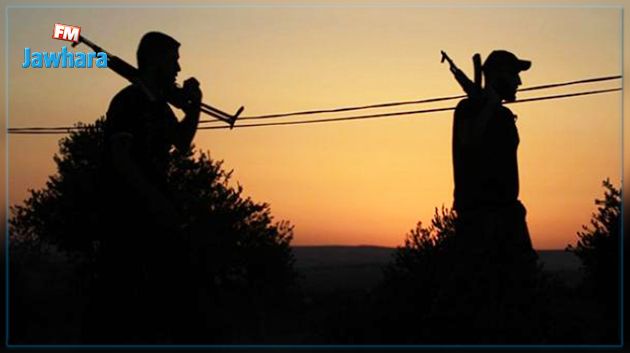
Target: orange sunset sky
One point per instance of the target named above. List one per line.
(355, 182)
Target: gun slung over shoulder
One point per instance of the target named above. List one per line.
(130, 73)
(471, 88)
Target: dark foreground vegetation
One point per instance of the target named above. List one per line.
(242, 285)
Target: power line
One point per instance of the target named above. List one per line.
(67, 129)
(421, 101)
(63, 130)
(568, 83)
(384, 115)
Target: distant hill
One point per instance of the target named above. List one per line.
(344, 268)
(338, 256)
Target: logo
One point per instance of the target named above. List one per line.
(66, 32)
(64, 58)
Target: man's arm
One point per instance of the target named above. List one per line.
(128, 171)
(187, 128)
(122, 112)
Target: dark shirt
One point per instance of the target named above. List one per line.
(129, 227)
(486, 170)
(135, 265)
(151, 125)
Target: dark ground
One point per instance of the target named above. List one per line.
(332, 279)
(357, 268)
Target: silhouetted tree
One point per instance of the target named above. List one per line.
(64, 212)
(598, 244)
(424, 245)
(454, 295)
(412, 283)
(422, 257)
(598, 249)
(240, 259)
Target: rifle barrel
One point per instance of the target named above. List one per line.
(470, 87)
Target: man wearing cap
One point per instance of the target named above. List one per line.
(491, 219)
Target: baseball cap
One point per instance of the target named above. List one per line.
(503, 58)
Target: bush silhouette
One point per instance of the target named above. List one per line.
(453, 295)
(424, 247)
(598, 249)
(240, 259)
(65, 211)
(598, 245)
(413, 282)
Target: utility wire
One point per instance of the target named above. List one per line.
(588, 80)
(394, 104)
(382, 105)
(66, 129)
(383, 115)
(60, 130)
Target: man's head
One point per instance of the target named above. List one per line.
(501, 70)
(158, 56)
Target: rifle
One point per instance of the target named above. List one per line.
(472, 89)
(130, 73)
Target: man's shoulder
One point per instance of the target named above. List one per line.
(131, 93)
(467, 107)
(125, 108)
(505, 110)
(128, 102)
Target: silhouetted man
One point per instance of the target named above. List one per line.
(494, 259)
(485, 143)
(142, 250)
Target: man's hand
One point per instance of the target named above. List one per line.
(192, 95)
(185, 132)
